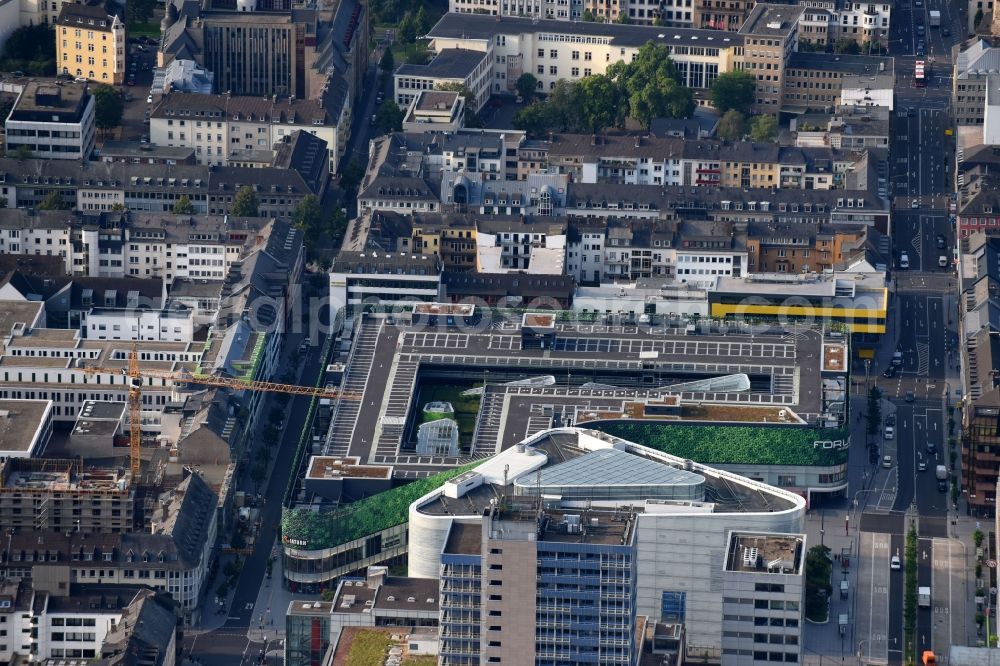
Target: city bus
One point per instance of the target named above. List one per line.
(920, 74)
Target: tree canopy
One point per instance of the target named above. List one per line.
(651, 87)
(53, 201)
(245, 203)
(183, 206)
(32, 49)
(319, 228)
(645, 88)
(389, 117)
(732, 126)
(764, 128)
(526, 85)
(108, 108)
(734, 90)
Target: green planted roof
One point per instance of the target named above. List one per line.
(735, 445)
(334, 527)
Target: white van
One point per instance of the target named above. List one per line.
(943, 261)
(889, 432)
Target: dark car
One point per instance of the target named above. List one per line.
(889, 372)
(941, 241)
(890, 420)
(946, 32)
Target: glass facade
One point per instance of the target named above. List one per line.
(307, 638)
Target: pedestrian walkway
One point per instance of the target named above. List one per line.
(832, 528)
(272, 603)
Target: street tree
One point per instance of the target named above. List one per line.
(389, 117)
(245, 203)
(388, 62)
(734, 90)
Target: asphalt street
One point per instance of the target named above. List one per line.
(230, 645)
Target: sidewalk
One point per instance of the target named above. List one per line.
(822, 643)
(271, 605)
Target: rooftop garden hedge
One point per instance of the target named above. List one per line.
(734, 445)
(334, 527)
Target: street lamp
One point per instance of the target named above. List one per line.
(860, 653)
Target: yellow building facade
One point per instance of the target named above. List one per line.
(90, 44)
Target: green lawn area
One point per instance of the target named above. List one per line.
(466, 408)
(425, 660)
(326, 529)
(735, 445)
(367, 648)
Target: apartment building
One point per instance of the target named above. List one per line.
(973, 67)
(764, 607)
(86, 622)
(780, 206)
(804, 248)
(503, 585)
(866, 23)
(690, 252)
(721, 14)
(817, 80)
(770, 35)
(552, 50)
(173, 555)
(650, 160)
(90, 43)
(53, 121)
(818, 25)
(55, 494)
(219, 126)
(301, 169)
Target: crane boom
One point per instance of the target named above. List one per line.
(136, 376)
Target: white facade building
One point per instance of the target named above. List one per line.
(357, 278)
(681, 544)
(54, 122)
(153, 326)
(217, 126)
(764, 603)
(552, 50)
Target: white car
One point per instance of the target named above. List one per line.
(889, 432)
(149, 99)
(887, 461)
(894, 563)
(904, 261)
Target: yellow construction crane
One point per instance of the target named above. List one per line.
(137, 375)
